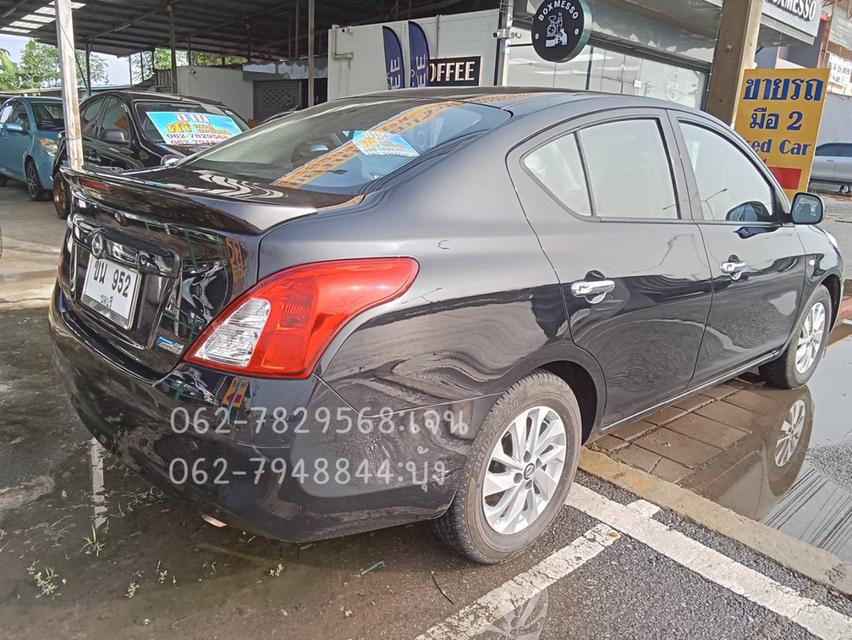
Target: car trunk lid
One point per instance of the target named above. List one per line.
(179, 249)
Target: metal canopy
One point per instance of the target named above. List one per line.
(264, 29)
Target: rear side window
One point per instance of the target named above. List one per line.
(628, 170)
(558, 167)
(345, 145)
(729, 185)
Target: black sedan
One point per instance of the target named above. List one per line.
(132, 129)
(420, 304)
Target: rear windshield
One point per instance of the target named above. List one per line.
(181, 124)
(344, 146)
(48, 115)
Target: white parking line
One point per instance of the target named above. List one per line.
(473, 619)
(822, 621)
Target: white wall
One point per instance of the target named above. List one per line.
(225, 85)
(464, 34)
(836, 123)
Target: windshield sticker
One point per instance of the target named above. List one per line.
(183, 129)
(382, 143)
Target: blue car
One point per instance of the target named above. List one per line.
(29, 137)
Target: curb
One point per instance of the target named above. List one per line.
(814, 563)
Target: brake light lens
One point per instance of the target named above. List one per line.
(281, 326)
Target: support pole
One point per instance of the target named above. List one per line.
(736, 46)
(89, 68)
(311, 62)
(296, 43)
(172, 45)
(68, 72)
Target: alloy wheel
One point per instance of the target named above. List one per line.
(810, 338)
(791, 433)
(32, 180)
(524, 470)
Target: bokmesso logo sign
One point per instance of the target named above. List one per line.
(560, 29)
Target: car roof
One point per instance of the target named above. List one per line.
(153, 95)
(523, 100)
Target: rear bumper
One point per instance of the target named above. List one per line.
(260, 453)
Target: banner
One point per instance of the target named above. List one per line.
(418, 55)
(779, 114)
(394, 64)
(188, 129)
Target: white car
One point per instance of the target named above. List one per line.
(833, 164)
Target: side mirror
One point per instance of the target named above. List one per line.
(170, 160)
(807, 209)
(115, 136)
(13, 127)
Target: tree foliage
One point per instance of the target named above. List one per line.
(39, 68)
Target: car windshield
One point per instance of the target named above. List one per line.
(344, 146)
(181, 124)
(48, 116)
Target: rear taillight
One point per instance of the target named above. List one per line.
(281, 326)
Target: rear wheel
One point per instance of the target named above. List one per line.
(3, 180)
(845, 189)
(798, 362)
(34, 188)
(521, 467)
(60, 196)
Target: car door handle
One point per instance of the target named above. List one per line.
(593, 290)
(733, 269)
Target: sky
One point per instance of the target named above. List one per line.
(118, 71)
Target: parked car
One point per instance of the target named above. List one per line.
(419, 304)
(124, 130)
(29, 132)
(833, 165)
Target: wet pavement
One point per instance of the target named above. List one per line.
(89, 550)
(781, 457)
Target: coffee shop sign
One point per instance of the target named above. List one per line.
(783, 89)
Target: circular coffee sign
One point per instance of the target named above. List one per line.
(560, 29)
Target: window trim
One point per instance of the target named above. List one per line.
(780, 201)
(573, 126)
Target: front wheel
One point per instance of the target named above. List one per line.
(845, 189)
(798, 362)
(60, 196)
(34, 188)
(521, 467)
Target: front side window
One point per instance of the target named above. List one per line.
(558, 167)
(89, 116)
(19, 115)
(729, 185)
(116, 117)
(345, 146)
(628, 170)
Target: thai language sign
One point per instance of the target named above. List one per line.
(185, 129)
(779, 114)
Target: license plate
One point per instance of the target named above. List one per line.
(110, 289)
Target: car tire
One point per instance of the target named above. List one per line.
(540, 402)
(34, 188)
(3, 180)
(796, 365)
(60, 196)
(845, 189)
